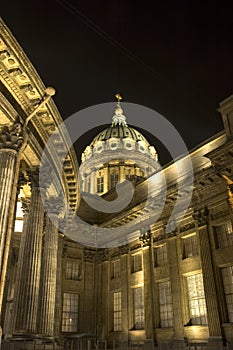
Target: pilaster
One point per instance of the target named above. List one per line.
(145, 238)
(201, 217)
(175, 290)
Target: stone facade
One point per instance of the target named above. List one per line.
(169, 289)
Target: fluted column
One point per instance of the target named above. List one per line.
(26, 318)
(49, 268)
(11, 139)
(20, 266)
(148, 285)
(208, 276)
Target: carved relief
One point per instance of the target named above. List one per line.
(12, 136)
(201, 216)
(145, 238)
(102, 255)
(89, 255)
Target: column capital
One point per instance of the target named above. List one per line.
(102, 255)
(54, 206)
(25, 205)
(21, 181)
(201, 216)
(145, 238)
(12, 136)
(39, 177)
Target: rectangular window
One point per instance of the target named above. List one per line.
(196, 298)
(138, 300)
(73, 270)
(227, 277)
(160, 255)
(190, 246)
(70, 312)
(136, 262)
(224, 234)
(114, 180)
(116, 269)
(165, 304)
(117, 312)
(100, 184)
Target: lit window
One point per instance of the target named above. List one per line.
(190, 246)
(138, 300)
(117, 312)
(116, 269)
(73, 270)
(224, 234)
(165, 304)
(19, 218)
(160, 254)
(227, 276)
(70, 312)
(114, 180)
(136, 262)
(100, 184)
(196, 298)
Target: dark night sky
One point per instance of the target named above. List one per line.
(175, 57)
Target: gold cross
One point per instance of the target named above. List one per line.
(118, 96)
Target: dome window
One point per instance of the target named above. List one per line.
(99, 148)
(142, 149)
(129, 146)
(113, 145)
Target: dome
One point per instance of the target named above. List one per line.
(116, 154)
(119, 131)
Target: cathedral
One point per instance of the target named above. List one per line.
(146, 287)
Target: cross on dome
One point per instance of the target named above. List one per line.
(119, 118)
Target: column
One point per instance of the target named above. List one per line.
(58, 303)
(124, 250)
(27, 308)
(208, 276)
(18, 290)
(176, 291)
(148, 285)
(46, 312)
(11, 139)
(93, 181)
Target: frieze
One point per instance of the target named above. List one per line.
(102, 255)
(89, 255)
(186, 227)
(135, 246)
(159, 237)
(124, 249)
(220, 214)
(115, 253)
